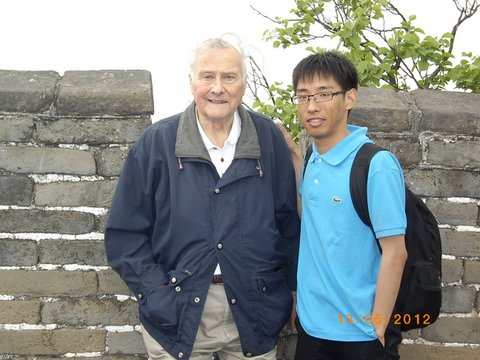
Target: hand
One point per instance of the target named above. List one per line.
(382, 340)
(291, 327)
(292, 146)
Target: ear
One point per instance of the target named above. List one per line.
(350, 98)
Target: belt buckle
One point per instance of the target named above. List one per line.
(217, 279)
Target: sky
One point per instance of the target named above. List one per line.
(158, 36)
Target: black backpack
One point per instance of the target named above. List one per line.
(420, 294)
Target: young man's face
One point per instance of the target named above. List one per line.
(325, 121)
(218, 85)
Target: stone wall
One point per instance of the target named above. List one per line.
(62, 143)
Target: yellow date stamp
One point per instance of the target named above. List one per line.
(377, 319)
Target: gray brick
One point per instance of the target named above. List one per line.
(51, 342)
(460, 243)
(18, 252)
(453, 213)
(82, 193)
(407, 152)
(112, 92)
(458, 154)
(100, 222)
(27, 91)
(82, 252)
(91, 312)
(130, 342)
(381, 110)
(453, 330)
(103, 357)
(110, 161)
(444, 183)
(16, 190)
(109, 282)
(48, 283)
(435, 352)
(472, 272)
(65, 222)
(16, 128)
(92, 131)
(442, 113)
(452, 270)
(46, 160)
(457, 299)
(20, 311)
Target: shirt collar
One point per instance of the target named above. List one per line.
(232, 138)
(356, 137)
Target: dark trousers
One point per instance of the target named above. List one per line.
(311, 348)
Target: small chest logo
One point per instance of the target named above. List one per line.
(337, 200)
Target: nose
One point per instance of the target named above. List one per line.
(312, 105)
(217, 86)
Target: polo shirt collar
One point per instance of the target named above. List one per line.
(356, 137)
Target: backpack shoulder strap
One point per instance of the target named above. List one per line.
(359, 178)
(308, 153)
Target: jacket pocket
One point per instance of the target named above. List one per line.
(163, 307)
(275, 302)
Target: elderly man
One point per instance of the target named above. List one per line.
(203, 226)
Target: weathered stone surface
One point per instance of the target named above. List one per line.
(20, 311)
(441, 111)
(457, 154)
(452, 271)
(382, 110)
(454, 330)
(18, 252)
(48, 283)
(27, 91)
(91, 312)
(456, 299)
(16, 190)
(408, 153)
(109, 282)
(125, 343)
(444, 183)
(92, 131)
(460, 243)
(472, 272)
(82, 193)
(18, 127)
(105, 92)
(81, 252)
(53, 342)
(63, 222)
(436, 352)
(110, 161)
(40, 160)
(453, 213)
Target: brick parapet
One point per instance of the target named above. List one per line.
(63, 140)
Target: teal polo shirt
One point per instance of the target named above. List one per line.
(339, 258)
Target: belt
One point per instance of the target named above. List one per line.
(217, 279)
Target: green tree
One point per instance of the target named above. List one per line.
(387, 48)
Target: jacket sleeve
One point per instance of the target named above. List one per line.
(286, 214)
(129, 225)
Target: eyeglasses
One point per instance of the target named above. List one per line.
(318, 97)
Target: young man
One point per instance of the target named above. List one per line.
(203, 226)
(346, 287)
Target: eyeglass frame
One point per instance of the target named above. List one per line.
(313, 96)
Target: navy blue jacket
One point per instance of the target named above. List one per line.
(173, 219)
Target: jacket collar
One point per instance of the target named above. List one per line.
(189, 142)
